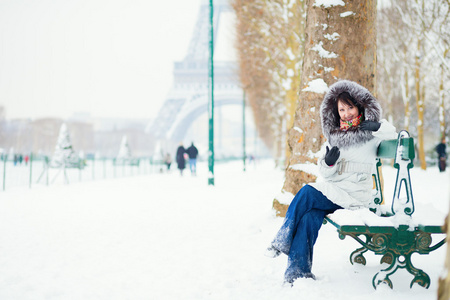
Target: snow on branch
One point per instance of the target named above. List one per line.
(347, 13)
(322, 52)
(328, 3)
(316, 86)
(332, 37)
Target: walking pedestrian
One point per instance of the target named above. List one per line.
(442, 155)
(180, 158)
(192, 152)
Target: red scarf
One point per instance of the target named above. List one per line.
(346, 125)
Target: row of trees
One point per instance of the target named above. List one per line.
(65, 156)
(410, 64)
(397, 50)
(89, 135)
(413, 66)
(340, 42)
(333, 49)
(270, 41)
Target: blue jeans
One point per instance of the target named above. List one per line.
(298, 234)
(193, 165)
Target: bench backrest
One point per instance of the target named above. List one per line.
(388, 148)
(403, 153)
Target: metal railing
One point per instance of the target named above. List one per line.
(37, 170)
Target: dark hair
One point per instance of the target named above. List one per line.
(347, 99)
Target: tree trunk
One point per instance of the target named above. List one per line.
(406, 101)
(442, 104)
(295, 45)
(420, 109)
(340, 44)
(291, 100)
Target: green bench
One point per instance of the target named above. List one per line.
(396, 243)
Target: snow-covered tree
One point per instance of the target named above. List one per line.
(124, 151)
(334, 50)
(414, 67)
(64, 155)
(270, 38)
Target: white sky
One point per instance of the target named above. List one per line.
(110, 58)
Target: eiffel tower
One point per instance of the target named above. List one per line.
(188, 96)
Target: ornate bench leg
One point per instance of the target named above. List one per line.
(358, 257)
(396, 247)
(403, 262)
(377, 280)
(420, 277)
(383, 275)
(387, 258)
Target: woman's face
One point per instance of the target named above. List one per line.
(347, 112)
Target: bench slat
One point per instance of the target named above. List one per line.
(388, 149)
(431, 229)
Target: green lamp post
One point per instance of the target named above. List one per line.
(211, 96)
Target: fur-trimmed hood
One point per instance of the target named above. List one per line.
(330, 123)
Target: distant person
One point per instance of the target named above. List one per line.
(180, 158)
(26, 158)
(442, 155)
(168, 161)
(192, 152)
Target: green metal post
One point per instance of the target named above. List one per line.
(47, 166)
(244, 154)
(31, 167)
(211, 95)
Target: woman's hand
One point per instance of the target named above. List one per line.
(332, 155)
(370, 125)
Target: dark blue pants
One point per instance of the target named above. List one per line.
(300, 229)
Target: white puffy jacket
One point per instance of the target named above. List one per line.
(348, 182)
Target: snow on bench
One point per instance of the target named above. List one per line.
(396, 231)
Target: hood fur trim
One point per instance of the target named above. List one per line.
(330, 123)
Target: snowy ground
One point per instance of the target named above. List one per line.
(162, 236)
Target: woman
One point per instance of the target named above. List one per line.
(181, 163)
(351, 123)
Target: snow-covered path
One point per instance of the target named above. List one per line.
(162, 236)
